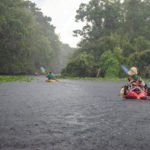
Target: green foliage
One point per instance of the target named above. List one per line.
(27, 38)
(110, 64)
(65, 55)
(115, 32)
(82, 65)
(141, 60)
(14, 78)
(115, 79)
(140, 43)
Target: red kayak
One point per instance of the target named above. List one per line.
(135, 92)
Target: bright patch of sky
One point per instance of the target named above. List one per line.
(63, 14)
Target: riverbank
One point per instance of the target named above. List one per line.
(13, 78)
(95, 78)
(10, 78)
(101, 79)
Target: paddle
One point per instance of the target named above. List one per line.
(125, 69)
(43, 70)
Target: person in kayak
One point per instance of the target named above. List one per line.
(134, 78)
(50, 76)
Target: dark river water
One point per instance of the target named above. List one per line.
(71, 115)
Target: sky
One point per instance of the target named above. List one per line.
(63, 14)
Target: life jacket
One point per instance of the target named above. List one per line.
(135, 82)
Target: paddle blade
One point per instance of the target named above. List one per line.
(42, 69)
(125, 69)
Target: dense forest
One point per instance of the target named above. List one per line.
(28, 39)
(115, 32)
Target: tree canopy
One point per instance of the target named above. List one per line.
(115, 33)
(27, 38)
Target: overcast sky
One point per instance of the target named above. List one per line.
(63, 14)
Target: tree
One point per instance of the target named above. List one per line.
(119, 29)
(82, 66)
(141, 60)
(27, 38)
(109, 64)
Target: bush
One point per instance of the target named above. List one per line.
(82, 65)
(109, 64)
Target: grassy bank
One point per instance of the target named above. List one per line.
(100, 78)
(15, 78)
(94, 78)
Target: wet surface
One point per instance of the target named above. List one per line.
(71, 115)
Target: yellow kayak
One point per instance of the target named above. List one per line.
(52, 80)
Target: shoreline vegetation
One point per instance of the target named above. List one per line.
(94, 78)
(26, 78)
(117, 79)
(13, 78)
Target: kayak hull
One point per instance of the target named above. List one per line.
(52, 81)
(134, 92)
(134, 95)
